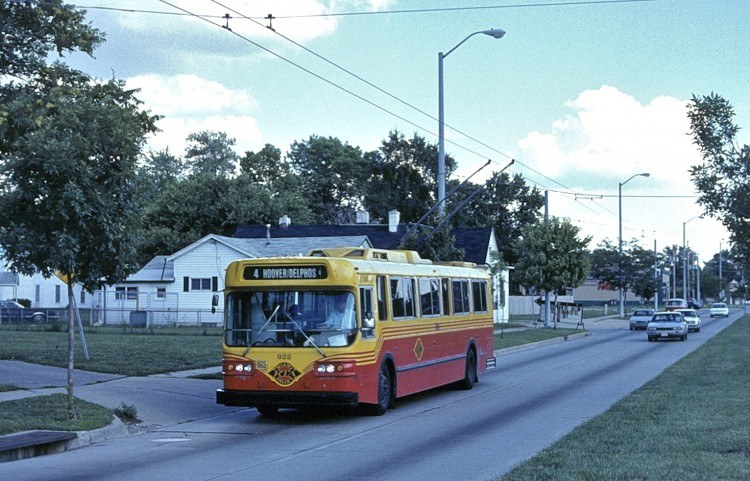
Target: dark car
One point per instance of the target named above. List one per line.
(12, 311)
(693, 304)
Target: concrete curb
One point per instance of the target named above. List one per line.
(115, 429)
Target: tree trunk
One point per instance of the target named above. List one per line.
(71, 350)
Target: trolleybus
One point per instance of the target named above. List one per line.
(351, 327)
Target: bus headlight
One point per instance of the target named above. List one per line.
(335, 369)
(239, 367)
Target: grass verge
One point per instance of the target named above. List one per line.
(689, 423)
(516, 338)
(115, 350)
(51, 412)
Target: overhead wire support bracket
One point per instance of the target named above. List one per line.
(226, 25)
(467, 199)
(270, 22)
(440, 201)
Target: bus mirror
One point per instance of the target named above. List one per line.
(214, 302)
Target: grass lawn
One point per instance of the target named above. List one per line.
(690, 423)
(117, 350)
(51, 412)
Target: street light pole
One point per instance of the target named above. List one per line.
(684, 257)
(619, 237)
(721, 279)
(493, 32)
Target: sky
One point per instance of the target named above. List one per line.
(584, 95)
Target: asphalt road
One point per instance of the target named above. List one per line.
(532, 399)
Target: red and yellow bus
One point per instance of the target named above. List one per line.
(352, 326)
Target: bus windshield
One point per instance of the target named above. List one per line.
(290, 318)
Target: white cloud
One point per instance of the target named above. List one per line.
(189, 95)
(191, 104)
(608, 137)
(612, 133)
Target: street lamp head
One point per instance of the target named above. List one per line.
(646, 174)
(495, 32)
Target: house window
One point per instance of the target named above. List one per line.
(161, 292)
(37, 293)
(83, 296)
(200, 284)
(57, 294)
(122, 293)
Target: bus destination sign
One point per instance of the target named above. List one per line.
(279, 273)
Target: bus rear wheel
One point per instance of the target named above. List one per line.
(385, 392)
(470, 373)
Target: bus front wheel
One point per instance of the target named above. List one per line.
(385, 392)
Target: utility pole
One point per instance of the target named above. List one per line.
(547, 308)
(657, 281)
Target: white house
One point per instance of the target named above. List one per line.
(177, 289)
(43, 293)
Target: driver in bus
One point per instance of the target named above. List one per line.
(340, 317)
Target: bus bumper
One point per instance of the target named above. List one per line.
(292, 399)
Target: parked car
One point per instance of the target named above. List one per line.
(667, 325)
(12, 311)
(692, 318)
(640, 317)
(676, 303)
(719, 309)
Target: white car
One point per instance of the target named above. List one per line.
(676, 303)
(667, 325)
(719, 309)
(640, 318)
(692, 318)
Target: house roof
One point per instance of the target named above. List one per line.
(475, 241)
(161, 268)
(158, 269)
(8, 278)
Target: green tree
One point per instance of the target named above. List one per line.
(433, 241)
(641, 265)
(723, 178)
(210, 153)
(157, 172)
(331, 172)
(266, 169)
(634, 272)
(67, 198)
(402, 176)
(29, 94)
(265, 166)
(190, 209)
(552, 256)
(33, 30)
(508, 205)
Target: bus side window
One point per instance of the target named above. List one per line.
(446, 297)
(366, 312)
(382, 297)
